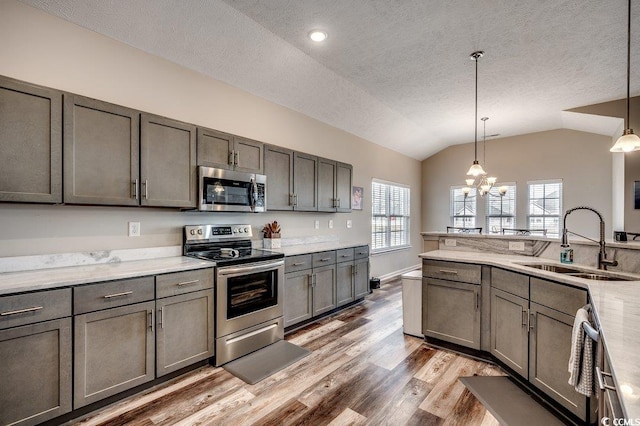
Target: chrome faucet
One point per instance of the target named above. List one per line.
(603, 262)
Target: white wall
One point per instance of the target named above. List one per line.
(49, 51)
(581, 160)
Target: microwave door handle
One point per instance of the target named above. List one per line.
(253, 195)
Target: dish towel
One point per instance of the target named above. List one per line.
(581, 359)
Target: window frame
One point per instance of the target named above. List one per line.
(387, 216)
(494, 192)
(473, 194)
(550, 232)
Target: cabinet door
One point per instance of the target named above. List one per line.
(326, 185)
(168, 162)
(30, 143)
(509, 330)
(215, 149)
(35, 372)
(550, 349)
(101, 152)
(113, 351)
(278, 166)
(297, 297)
(324, 289)
(345, 273)
(344, 182)
(248, 155)
(361, 278)
(184, 330)
(305, 182)
(453, 312)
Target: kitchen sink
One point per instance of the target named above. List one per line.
(599, 277)
(553, 268)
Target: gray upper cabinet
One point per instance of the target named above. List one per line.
(101, 152)
(326, 185)
(305, 182)
(225, 151)
(30, 143)
(278, 165)
(344, 182)
(168, 162)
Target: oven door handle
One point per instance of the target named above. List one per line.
(255, 267)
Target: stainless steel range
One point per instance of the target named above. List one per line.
(249, 288)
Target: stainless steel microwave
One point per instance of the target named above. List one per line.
(230, 191)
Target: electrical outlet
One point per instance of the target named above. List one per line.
(349, 224)
(134, 229)
(316, 224)
(449, 242)
(516, 245)
(330, 223)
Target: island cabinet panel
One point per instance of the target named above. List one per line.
(509, 330)
(452, 312)
(168, 173)
(30, 143)
(101, 152)
(35, 370)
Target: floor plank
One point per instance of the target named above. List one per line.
(362, 371)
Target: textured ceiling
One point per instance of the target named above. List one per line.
(395, 72)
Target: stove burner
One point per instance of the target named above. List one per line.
(229, 252)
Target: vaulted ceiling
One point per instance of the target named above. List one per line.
(395, 72)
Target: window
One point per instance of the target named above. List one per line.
(390, 210)
(501, 211)
(463, 209)
(545, 205)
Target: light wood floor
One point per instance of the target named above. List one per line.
(363, 370)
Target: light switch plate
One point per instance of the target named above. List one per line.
(316, 224)
(330, 223)
(449, 242)
(134, 229)
(349, 223)
(516, 245)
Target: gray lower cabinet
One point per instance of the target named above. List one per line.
(510, 330)
(101, 152)
(298, 297)
(345, 274)
(35, 356)
(35, 372)
(184, 330)
(168, 175)
(114, 351)
(30, 143)
(361, 273)
(452, 312)
(324, 289)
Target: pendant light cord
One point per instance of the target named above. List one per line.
(476, 121)
(628, 63)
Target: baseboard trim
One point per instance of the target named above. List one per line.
(396, 274)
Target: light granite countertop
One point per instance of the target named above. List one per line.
(42, 279)
(616, 305)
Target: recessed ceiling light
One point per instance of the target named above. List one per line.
(318, 35)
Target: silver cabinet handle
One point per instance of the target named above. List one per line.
(447, 271)
(124, 293)
(21, 311)
(135, 189)
(532, 320)
(325, 259)
(310, 280)
(187, 283)
(477, 301)
(295, 199)
(298, 263)
(150, 319)
(146, 189)
(345, 255)
(524, 317)
(236, 158)
(161, 315)
(291, 196)
(231, 157)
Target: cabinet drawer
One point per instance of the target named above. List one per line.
(323, 258)
(361, 252)
(452, 271)
(30, 308)
(511, 282)
(183, 282)
(557, 296)
(297, 263)
(111, 294)
(345, 255)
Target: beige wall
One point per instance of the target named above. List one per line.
(581, 160)
(49, 51)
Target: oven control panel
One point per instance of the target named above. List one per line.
(217, 232)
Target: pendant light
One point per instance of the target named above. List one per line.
(476, 169)
(486, 183)
(628, 141)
